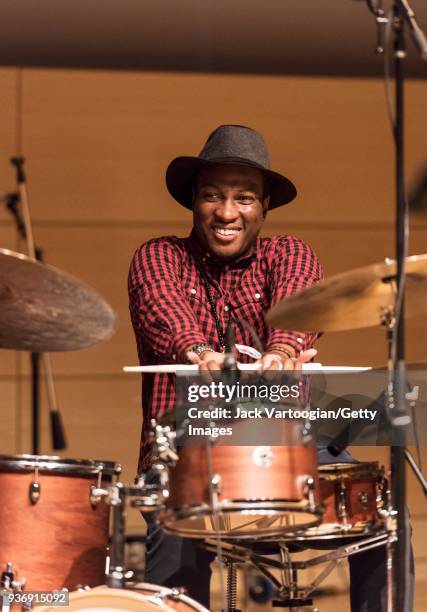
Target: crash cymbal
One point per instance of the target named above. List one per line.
(353, 299)
(43, 309)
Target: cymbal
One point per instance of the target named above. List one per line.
(353, 299)
(43, 309)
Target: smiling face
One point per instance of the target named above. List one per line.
(229, 209)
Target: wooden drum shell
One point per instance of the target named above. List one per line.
(60, 541)
(241, 478)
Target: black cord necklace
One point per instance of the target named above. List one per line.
(211, 300)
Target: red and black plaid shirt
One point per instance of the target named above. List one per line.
(170, 310)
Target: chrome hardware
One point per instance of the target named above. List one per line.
(163, 475)
(263, 456)
(84, 467)
(309, 492)
(97, 494)
(215, 489)
(114, 497)
(164, 440)
(216, 483)
(8, 582)
(363, 498)
(342, 512)
(34, 490)
(176, 593)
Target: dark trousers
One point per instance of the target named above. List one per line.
(173, 561)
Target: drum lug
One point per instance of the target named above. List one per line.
(96, 494)
(8, 583)
(342, 502)
(34, 492)
(363, 499)
(176, 593)
(309, 492)
(215, 488)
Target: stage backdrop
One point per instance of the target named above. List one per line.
(96, 146)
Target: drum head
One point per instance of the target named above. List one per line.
(111, 600)
(141, 598)
(244, 520)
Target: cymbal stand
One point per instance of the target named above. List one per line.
(24, 227)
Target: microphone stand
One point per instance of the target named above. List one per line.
(402, 14)
(399, 564)
(23, 223)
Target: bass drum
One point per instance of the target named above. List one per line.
(137, 597)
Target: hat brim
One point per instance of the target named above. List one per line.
(182, 171)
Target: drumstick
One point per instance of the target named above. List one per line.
(173, 368)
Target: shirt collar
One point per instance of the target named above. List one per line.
(207, 258)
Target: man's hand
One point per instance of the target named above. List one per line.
(209, 362)
(279, 361)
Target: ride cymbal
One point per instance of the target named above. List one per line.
(353, 299)
(43, 309)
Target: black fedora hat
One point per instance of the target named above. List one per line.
(228, 144)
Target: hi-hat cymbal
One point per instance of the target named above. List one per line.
(43, 309)
(353, 299)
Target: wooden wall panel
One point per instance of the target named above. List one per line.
(98, 142)
(8, 147)
(8, 416)
(9, 82)
(102, 419)
(8, 241)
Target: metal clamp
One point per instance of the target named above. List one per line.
(34, 490)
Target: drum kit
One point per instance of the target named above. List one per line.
(63, 521)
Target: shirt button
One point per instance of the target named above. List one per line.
(257, 296)
(226, 308)
(193, 291)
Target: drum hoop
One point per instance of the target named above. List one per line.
(367, 469)
(369, 529)
(48, 463)
(171, 517)
(154, 588)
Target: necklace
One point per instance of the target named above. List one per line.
(211, 300)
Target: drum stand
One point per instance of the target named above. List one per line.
(147, 497)
(290, 595)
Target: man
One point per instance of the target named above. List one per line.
(183, 293)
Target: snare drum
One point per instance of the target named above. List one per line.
(141, 597)
(257, 491)
(353, 496)
(53, 531)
